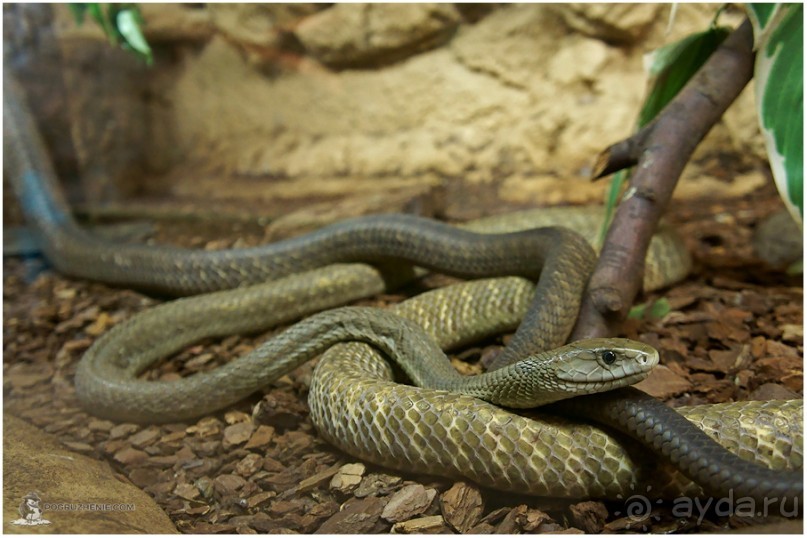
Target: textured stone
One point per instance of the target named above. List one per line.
(36, 462)
(508, 95)
(259, 30)
(375, 34)
(625, 23)
(514, 99)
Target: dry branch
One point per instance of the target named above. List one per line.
(663, 148)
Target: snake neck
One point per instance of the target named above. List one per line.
(529, 381)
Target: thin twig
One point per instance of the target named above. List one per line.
(621, 155)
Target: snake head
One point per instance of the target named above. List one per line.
(583, 367)
(600, 364)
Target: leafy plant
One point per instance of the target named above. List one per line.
(120, 22)
(779, 81)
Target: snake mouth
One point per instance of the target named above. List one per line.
(602, 385)
(634, 378)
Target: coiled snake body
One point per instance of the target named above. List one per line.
(354, 405)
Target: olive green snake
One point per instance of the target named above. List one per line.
(354, 405)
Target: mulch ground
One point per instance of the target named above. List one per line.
(734, 332)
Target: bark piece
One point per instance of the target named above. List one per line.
(260, 437)
(589, 516)
(356, 517)
(377, 484)
(422, 525)
(462, 506)
(237, 433)
(408, 502)
(348, 477)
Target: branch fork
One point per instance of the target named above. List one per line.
(660, 152)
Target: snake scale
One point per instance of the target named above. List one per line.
(356, 407)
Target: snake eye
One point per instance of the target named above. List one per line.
(608, 357)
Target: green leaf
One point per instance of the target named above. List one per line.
(673, 65)
(97, 13)
(128, 24)
(78, 11)
(779, 82)
(659, 309)
(796, 268)
(121, 24)
(611, 200)
(760, 15)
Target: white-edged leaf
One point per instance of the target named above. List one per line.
(779, 85)
(128, 23)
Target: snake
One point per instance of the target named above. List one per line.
(558, 258)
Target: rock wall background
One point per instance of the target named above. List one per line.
(309, 100)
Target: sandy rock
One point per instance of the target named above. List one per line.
(420, 200)
(259, 30)
(624, 23)
(515, 98)
(579, 60)
(511, 94)
(175, 22)
(498, 46)
(34, 462)
(375, 34)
